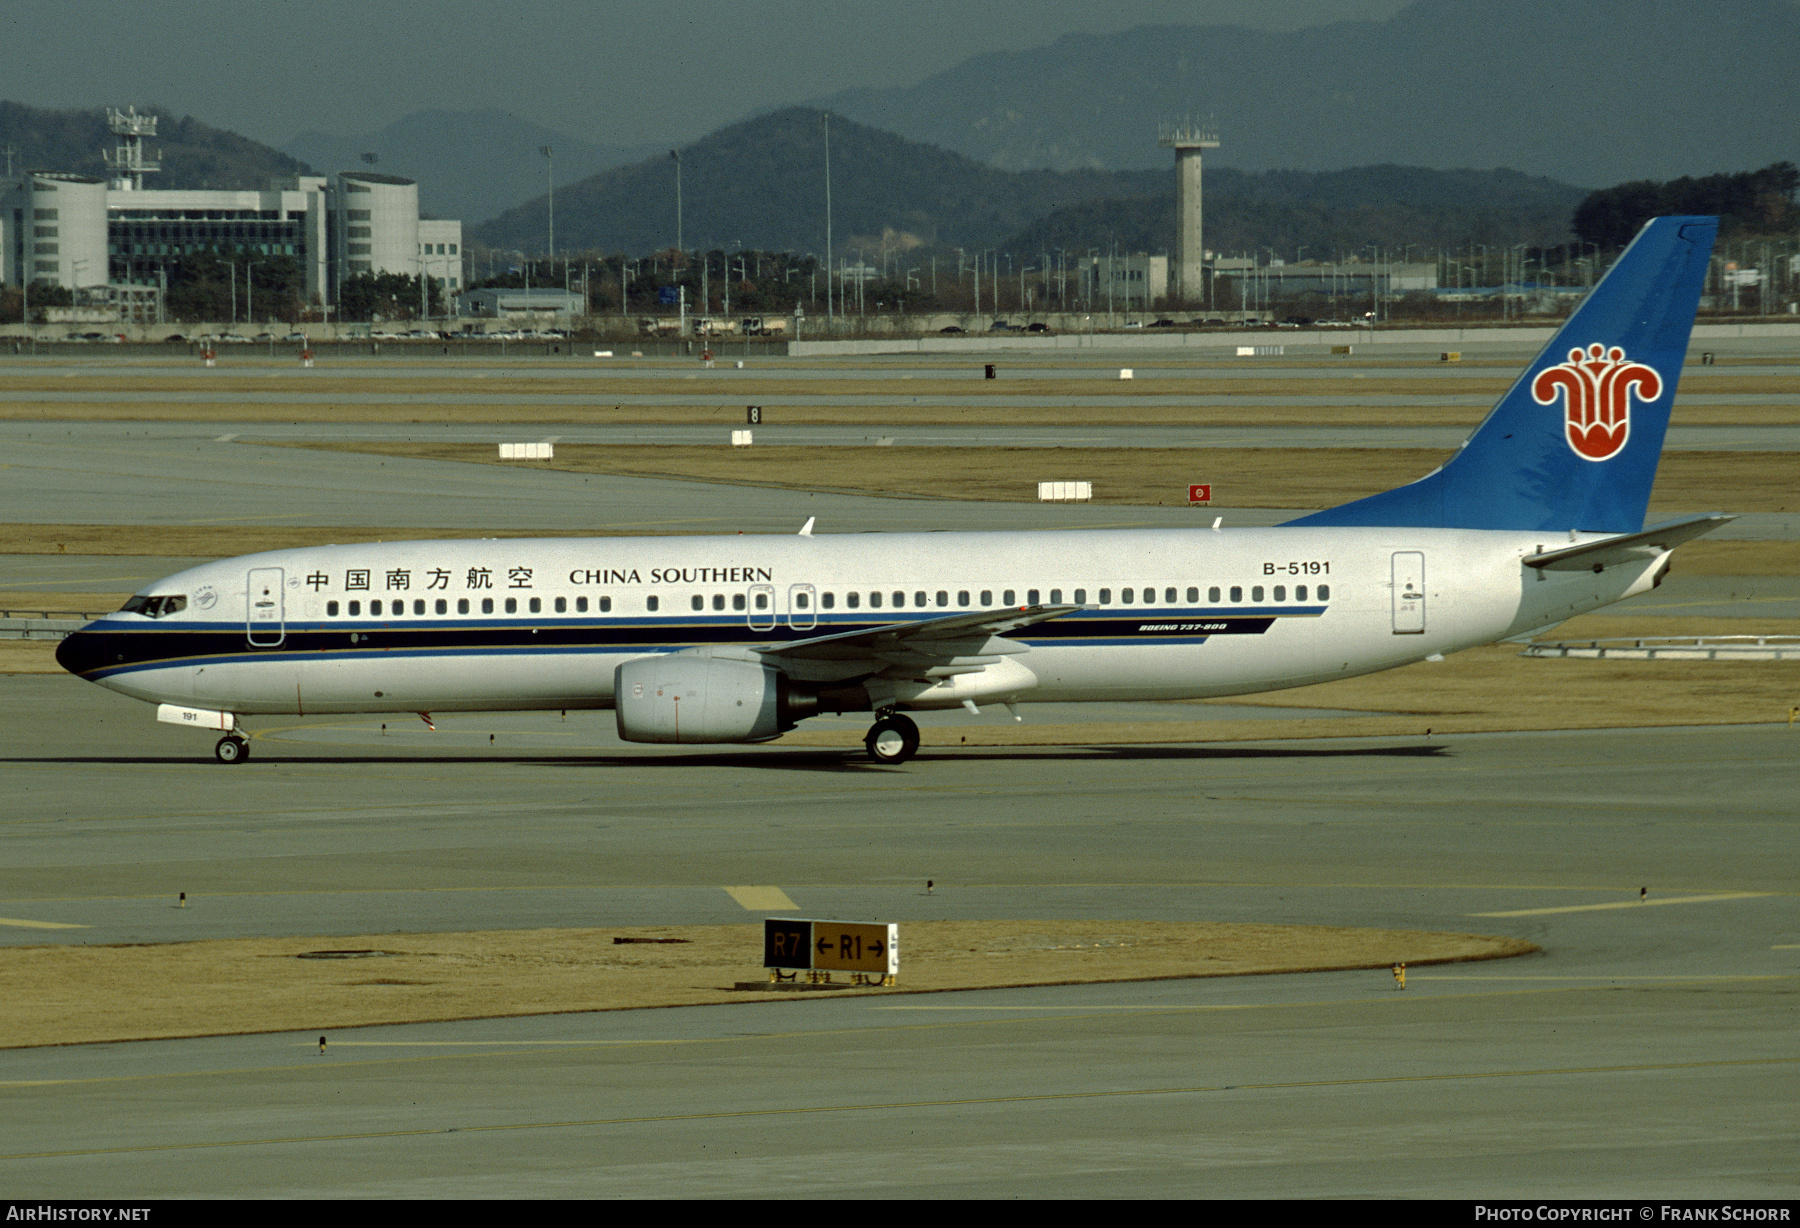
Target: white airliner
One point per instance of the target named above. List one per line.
(1539, 516)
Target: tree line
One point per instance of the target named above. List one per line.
(1749, 204)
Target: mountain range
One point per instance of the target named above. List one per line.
(469, 164)
(1591, 92)
(761, 184)
(1056, 145)
(192, 154)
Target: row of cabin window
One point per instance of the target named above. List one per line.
(761, 600)
(533, 605)
(1033, 596)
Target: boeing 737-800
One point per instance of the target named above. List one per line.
(1537, 517)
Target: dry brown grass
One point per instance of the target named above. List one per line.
(909, 380)
(1240, 477)
(925, 382)
(76, 994)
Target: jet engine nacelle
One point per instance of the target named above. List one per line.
(689, 697)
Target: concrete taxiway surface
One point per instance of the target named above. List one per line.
(1649, 1049)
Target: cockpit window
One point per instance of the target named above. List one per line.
(154, 607)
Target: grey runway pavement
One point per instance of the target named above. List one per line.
(152, 477)
(107, 473)
(1648, 1051)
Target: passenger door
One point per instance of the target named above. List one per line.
(265, 622)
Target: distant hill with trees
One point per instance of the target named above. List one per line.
(1749, 204)
(193, 154)
(1587, 91)
(760, 184)
(470, 164)
(1325, 214)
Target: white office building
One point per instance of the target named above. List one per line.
(110, 239)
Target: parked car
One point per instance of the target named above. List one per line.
(1037, 327)
(951, 328)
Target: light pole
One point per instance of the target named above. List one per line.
(825, 116)
(550, 197)
(678, 237)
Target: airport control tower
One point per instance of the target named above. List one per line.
(127, 162)
(1188, 139)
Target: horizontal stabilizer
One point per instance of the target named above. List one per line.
(1631, 547)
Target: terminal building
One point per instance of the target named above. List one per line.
(1123, 283)
(113, 240)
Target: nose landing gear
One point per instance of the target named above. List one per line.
(892, 739)
(232, 749)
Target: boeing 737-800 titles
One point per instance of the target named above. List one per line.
(1537, 517)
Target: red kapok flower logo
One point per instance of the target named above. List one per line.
(1596, 386)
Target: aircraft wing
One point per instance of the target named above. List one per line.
(936, 647)
(1628, 547)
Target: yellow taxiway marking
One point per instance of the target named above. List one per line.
(1678, 899)
(41, 925)
(760, 899)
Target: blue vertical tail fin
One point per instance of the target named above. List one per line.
(1575, 442)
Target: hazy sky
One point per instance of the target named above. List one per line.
(624, 73)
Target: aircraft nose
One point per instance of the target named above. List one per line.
(78, 652)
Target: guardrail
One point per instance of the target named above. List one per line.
(41, 625)
(1677, 648)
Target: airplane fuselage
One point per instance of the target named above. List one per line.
(442, 626)
(737, 639)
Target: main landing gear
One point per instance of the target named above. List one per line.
(893, 739)
(233, 749)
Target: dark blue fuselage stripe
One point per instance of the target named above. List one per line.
(101, 650)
